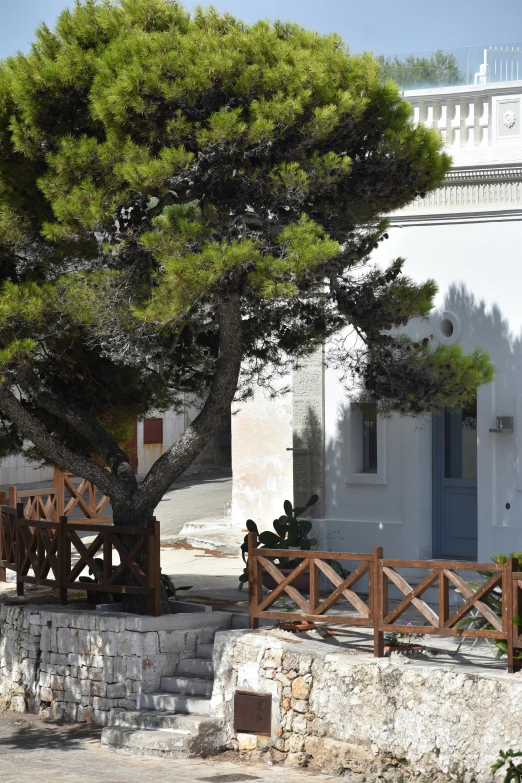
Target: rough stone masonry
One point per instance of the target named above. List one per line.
(369, 719)
(78, 665)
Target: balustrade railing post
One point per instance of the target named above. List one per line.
(19, 547)
(12, 496)
(376, 601)
(255, 585)
(64, 559)
(510, 610)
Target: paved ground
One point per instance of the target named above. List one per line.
(36, 750)
(202, 495)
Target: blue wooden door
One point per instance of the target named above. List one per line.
(455, 483)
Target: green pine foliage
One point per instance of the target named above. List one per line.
(152, 161)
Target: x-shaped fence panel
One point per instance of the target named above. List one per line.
(119, 560)
(84, 497)
(441, 575)
(8, 517)
(38, 551)
(309, 603)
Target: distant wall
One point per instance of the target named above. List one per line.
(17, 470)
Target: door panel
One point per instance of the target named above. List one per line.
(459, 522)
(455, 484)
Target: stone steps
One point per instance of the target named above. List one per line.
(175, 721)
(205, 651)
(163, 743)
(158, 719)
(174, 702)
(196, 667)
(189, 686)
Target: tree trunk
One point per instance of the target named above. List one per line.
(127, 515)
(217, 405)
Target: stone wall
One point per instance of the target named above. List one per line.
(77, 665)
(390, 720)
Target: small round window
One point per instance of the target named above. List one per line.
(448, 329)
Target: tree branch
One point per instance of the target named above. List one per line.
(85, 425)
(217, 405)
(56, 452)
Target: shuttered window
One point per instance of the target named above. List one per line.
(153, 431)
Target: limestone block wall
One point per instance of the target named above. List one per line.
(78, 665)
(367, 718)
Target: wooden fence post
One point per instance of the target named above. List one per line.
(64, 565)
(443, 598)
(3, 499)
(510, 609)
(376, 601)
(19, 548)
(154, 568)
(12, 496)
(60, 492)
(314, 586)
(255, 585)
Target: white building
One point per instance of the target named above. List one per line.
(436, 487)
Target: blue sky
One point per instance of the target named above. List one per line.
(381, 25)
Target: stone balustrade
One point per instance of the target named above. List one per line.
(461, 120)
(478, 120)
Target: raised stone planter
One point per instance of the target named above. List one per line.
(78, 665)
(369, 719)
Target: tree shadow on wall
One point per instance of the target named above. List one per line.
(308, 463)
(479, 326)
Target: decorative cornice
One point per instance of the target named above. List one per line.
(484, 174)
(479, 193)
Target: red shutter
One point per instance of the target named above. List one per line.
(153, 431)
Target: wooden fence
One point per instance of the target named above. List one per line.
(62, 499)
(375, 612)
(53, 554)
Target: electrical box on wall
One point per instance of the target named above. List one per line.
(252, 713)
(503, 424)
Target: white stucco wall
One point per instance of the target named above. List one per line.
(17, 470)
(262, 462)
(480, 280)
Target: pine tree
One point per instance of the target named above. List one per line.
(186, 202)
